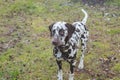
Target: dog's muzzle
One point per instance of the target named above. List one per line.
(56, 42)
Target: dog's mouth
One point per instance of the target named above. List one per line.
(57, 42)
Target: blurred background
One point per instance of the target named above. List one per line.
(25, 45)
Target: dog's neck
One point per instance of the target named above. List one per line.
(64, 48)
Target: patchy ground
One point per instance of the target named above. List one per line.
(26, 51)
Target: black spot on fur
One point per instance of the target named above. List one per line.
(85, 28)
(77, 30)
(82, 44)
(73, 57)
(63, 48)
(74, 47)
(82, 23)
(82, 36)
(55, 50)
(69, 51)
(65, 55)
(76, 39)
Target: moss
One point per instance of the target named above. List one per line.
(113, 31)
(101, 45)
(14, 74)
(37, 25)
(116, 68)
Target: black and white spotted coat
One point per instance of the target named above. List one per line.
(66, 39)
(69, 50)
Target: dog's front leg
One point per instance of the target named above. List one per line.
(72, 65)
(60, 73)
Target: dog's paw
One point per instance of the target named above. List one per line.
(81, 66)
(71, 76)
(60, 75)
(60, 78)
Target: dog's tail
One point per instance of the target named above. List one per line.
(85, 18)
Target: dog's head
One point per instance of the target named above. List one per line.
(61, 32)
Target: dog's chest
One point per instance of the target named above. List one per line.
(65, 53)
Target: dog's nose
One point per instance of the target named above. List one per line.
(54, 42)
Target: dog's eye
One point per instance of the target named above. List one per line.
(77, 30)
(61, 32)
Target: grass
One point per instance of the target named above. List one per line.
(25, 45)
(114, 31)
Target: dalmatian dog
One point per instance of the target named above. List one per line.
(66, 39)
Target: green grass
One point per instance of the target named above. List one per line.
(25, 45)
(113, 2)
(116, 67)
(114, 31)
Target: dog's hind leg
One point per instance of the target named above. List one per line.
(60, 73)
(83, 44)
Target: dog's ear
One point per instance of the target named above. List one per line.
(71, 30)
(50, 29)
